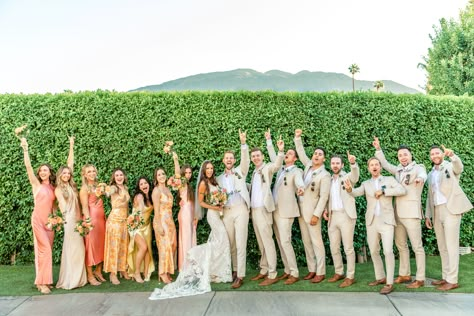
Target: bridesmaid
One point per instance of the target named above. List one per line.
(116, 233)
(187, 223)
(139, 249)
(72, 273)
(93, 209)
(163, 224)
(43, 195)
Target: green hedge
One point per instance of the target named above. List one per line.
(129, 130)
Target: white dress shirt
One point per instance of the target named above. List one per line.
(336, 200)
(256, 198)
(438, 197)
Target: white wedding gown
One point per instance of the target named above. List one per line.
(206, 263)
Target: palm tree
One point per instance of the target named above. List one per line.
(353, 69)
(378, 85)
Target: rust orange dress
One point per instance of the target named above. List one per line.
(116, 234)
(166, 243)
(96, 238)
(42, 236)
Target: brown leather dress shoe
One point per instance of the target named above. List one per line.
(291, 279)
(448, 286)
(388, 288)
(234, 275)
(283, 276)
(309, 276)
(259, 277)
(268, 281)
(335, 278)
(438, 282)
(347, 282)
(318, 278)
(402, 279)
(378, 282)
(237, 283)
(415, 284)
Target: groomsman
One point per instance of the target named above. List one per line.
(236, 210)
(446, 202)
(342, 216)
(262, 206)
(379, 220)
(289, 183)
(408, 213)
(317, 182)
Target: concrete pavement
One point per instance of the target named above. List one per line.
(243, 303)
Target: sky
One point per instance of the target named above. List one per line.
(57, 45)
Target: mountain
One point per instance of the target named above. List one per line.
(276, 80)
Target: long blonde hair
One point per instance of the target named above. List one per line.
(71, 182)
(83, 173)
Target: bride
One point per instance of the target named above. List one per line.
(209, 262)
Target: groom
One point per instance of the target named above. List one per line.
(236, 210)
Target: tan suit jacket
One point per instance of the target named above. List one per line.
(348, 201)
(408, 205)
(316, 192)
(458, 202)
(239, 174)
(266, 171)
(287, 200)
(392, 188)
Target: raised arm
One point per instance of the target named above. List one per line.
(177, 169)
(70, 158)
(271, 151)
(381, 157)
(35, 183)
(458, 166)
(244, 153)
(354, 191)
(274, 167)
(300, 149)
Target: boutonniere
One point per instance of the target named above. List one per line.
(447, 174)
(342, 184)
(407, 180)
(237, 175)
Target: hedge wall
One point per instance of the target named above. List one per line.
(129, 129)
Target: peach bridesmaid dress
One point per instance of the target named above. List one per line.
(167, 242)
(187, 229)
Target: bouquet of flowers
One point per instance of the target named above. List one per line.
(84, 227)
(101, 189)
(135, 221)
(168, 147)
(55, 221)
(176, 182)
(218, 198)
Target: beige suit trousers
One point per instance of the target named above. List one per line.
(342, 228)
(313, 246)
(411, 228)
(236, 222)
(282, 229)
(377, 231)
(262, 224)
(446, 226)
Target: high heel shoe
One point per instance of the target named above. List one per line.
(99, 276)
(124, 275)
(93, 281)
(138, 277)
(164, 277)
(113, 279)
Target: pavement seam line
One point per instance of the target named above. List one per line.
(209, 304)
(23, 302)
(393, 304)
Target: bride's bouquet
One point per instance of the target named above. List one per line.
(218, 198)
(168, 149)
(55, 221)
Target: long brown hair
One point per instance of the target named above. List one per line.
(212, 180)
(112, 178)
(52, 175)
(190, 192)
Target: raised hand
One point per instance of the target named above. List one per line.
(242, 136)
(280, 144)
(298, 133)
(175, 155)
(351, 158)
(348, 185)
(447, 152)
(71, 140)
(268, 136)
(376, 143)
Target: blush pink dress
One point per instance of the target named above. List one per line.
(187, 229)
(42, 236)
